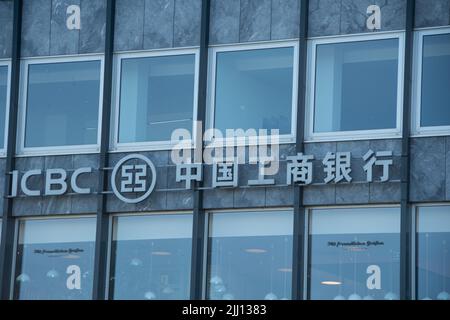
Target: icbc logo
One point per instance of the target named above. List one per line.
(133, 178)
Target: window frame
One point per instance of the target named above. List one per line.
(3, 148)
(416, 128)
(310, 135)
(21, 150)
(211, 95)
(117, 146)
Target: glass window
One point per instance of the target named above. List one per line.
(433, 258)
(254, 89)
(3, 102)
(250, 256)
(156, 97)
(55, 259)
(62, 107)
(356, 85)
(435, 102)
(355, 254)
(151, 257)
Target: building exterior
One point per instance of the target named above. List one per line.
(95, 207)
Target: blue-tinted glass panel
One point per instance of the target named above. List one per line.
(151, 257)
(356, 86)
(62, 104)
(435, 109)
(433, 259)
(355, 254)
(55, 259)
(3, 106)
(254, 90)
(250, 256)
(156, 97)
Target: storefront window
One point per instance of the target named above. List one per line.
(3, 102)
(156, 97)
(151, 257)
(250, 256)
(62, 104)
(55, 259)
(433, 258)
(355, 254)
(254, 89)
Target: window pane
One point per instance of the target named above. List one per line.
(356, 86)
(151, 257)
(156, 97)
(433, 253)
(62, 104)
(3, 106)
(435, 110)
(355, 254)
(55, 259)
(254, 90)
(250, 256)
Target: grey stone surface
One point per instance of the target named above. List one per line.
(36, 27)
(432, 13)
(56, 205)
(324, 17)
(320, 150)
(355, 193)
(180, 200)
(224, 25)
(218, 198)
(84, 204)
(249, 197)
(62, 40)
(27, 206)
(279, 196)
(157, 201)
(428, 169)
(319, 195)
(385, 192)
(6, 21)
(354, 15)
(255, 20)
(285, 19)
(394, 145)
(187, 23)
(93, 26)
(447, 169)
(357, 148)
(158, 24)
(129, 25)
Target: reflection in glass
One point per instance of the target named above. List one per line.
(3, 106)
(254, 90)
(151, 257)
(55, 259)
(355, 254)
(62, 104)
(250, 256)
(435, 109)
(156, 97)
(356, 86)
(433, 261)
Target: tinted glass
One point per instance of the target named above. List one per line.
(254, 90)
(62, 104)
(435, 110)
(156, 97)
(355, 254)
(356, 86)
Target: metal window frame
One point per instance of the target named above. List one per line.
(6, 63)
(117, 146)
(23, 104)
(210, 113)
(417, 129)
(207, 236)
(310, 135)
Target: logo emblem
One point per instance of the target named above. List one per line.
(136, 176)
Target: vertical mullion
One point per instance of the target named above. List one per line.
(406, 216)
(198, 230)
(298, 270)
(8, 222)
(102, 228)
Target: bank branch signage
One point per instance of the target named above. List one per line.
(134, 177)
